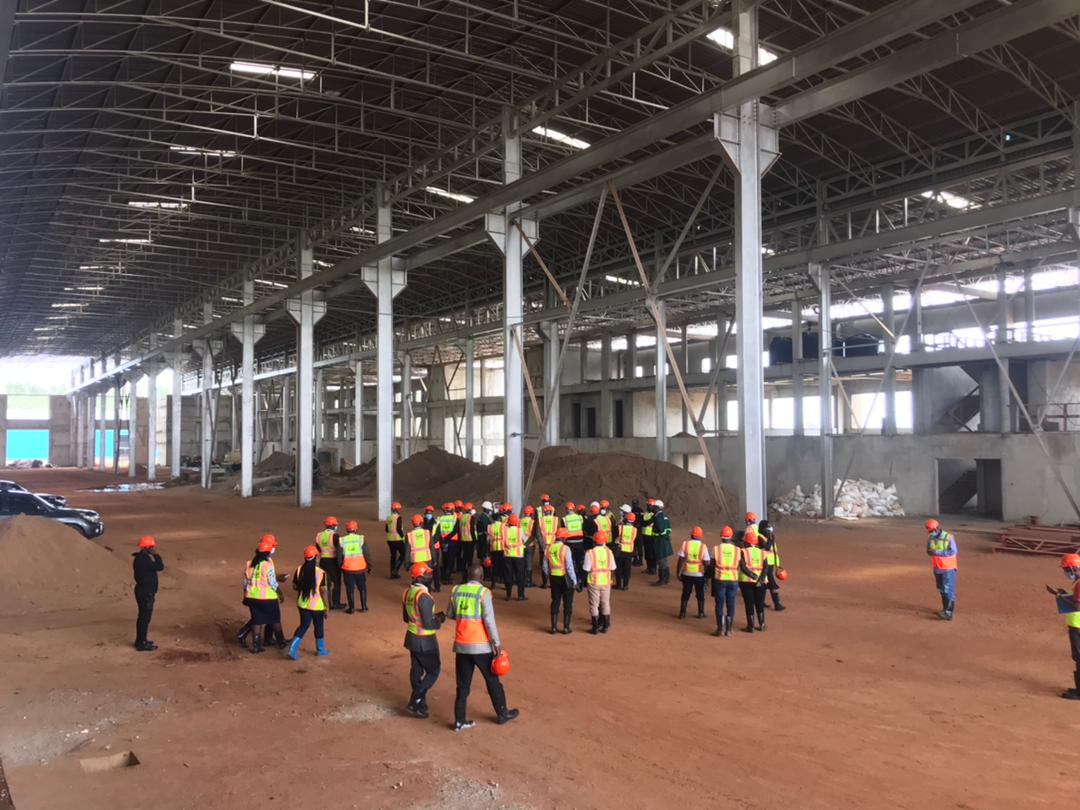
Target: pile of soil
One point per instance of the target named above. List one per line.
(567, 475)
(276, 463)
(49, 566)
(414, 478)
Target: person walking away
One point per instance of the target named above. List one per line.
(942, 550)
(599, 563)
(767, 541)
(725, 585)
(588, 525)
(690, 568)
(422, 622)
(483, 533)
(418, 541)
(624, 549)
(514, 557)
(546, 528)
(647, 532)
(395, 540)
(354, 566)
(262, 592)
(467, 538)
(528, 534)
(309, 581)
(445, 536)
(605, 525)
(639, 523)
(269, 634)
(559, 567)
(751, 581)
(661, 536)
(329, 544)
(476, 643)
(496, 534)
(146, 564)
(575, 537)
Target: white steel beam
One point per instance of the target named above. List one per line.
(820, 275)
(306, 310)
(249, 333)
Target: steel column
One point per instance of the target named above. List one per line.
(1002, 338)
(469, 350)
(406, 406)
(208, 422)
(319, 410)
(177, 400)
(1029, 304)
(660, 390)
(798, 426)
(358, 416)
(133, 424)
(286, 414)
(152, 372)
(820, 274)
(889, 390)
(306, 310)
(117, 383)
(606, 427)
(552, 430)
(250, 332)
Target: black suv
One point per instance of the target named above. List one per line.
(85, 521)
(11, 486)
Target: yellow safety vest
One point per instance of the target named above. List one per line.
(601, 566)
(627, 536)
(447, 523)
(556, 566)
(420, 545)
(391, 529)
(465, 528)
(573, 523)
(726, 556)
(603, 529)
(527, 528)
(772, 556)
(549, 524)
(314, 602)
(497, 535)
(411, 600)
(325, 541)
(259, 581)
(514, 543)
(693, 559)
(754, 558)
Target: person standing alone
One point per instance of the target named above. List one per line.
(146, 564)
(942, 550)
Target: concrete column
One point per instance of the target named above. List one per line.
(1003, 337)
(685, 357)
(660, 389)
(406, 406)
(306, 310)
(583, 361)
(234, 419)
(628, 396)
(469, 349)
(318, 417)
(177, 401)
(1029, 306)
(250, 331)
(798, 426)
(286, 414)
(133, 424)
(117, 386)
(209, 348)
(552, 382)
(721, 405)
(915, 320)
(606, 426)
(889, 388)
(820, 274)
(152, 372)
(78, 403)
(358, 415)
(91, 429)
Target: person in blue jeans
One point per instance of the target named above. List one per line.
(942, 550)
(725, 585)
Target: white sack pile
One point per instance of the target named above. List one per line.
(859, 499)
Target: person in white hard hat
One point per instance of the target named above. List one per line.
(482, 523)
(661, 533)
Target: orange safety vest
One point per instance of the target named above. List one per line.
(603, 530)
(314, 602)
(693, 553)
(941, 544)
(754, 558)
(468, 601)
(420, 545)
(352, 552)
(496, 534)
(515, 543)
(549, 524)
(627, 536)
(601, 564)
(411, 600)
(556, 562)
(726, 556)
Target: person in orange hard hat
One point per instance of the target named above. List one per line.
(725, 576)
(598, 566)
(355, 565)
(445, 535)
(514, 557)
(309, 582)
(574, 524)
(547, 525)
(329, 544)
(467, 538)
(529, 533)
(752, 581)
(261, 592)
(625, 541)
(690, 568)
(146, 565)
(559, 566)
(395, 540)
(942, 550)
(422, 622)
(270, 635)
(1068, 605)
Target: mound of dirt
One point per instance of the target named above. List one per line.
(276, 463)
(567, 475)
(50, 566)
(414, 479)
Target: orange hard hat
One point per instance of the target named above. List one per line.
(548, 507)
(268, 538)
(329, 521)
(311, 552)
(429, 508)
(448, 506)
(570, 506)
(932, 525)
(468, 505)
(265, 545)
(514, 520)
(459, 504)
(581, 508)
(1068, 561)
(545, 498)
(500, 664)
(395, 507)
(750, 538)
(351, 525)
(561, 533)
(697, 533)
(508, 507)
(727, 532)
(751, 517)
(487, 562)
(417, 520)
(604, 504)
(529, 510)
(652, 501)
(147, 541)
(419, 569)
(595, 510)
(630, 517)
(781, 574)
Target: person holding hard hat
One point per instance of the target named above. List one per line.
(354, 566)
(725, 586)
(476, 644)
(309, 582)
(422, 622)
(942, 550)
(690, 568)
(146, 565)
(767, 540)
(1068, 605)
(395, 540)
(261, 594)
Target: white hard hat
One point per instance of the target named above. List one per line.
(625, 508)
(486, 505)
(595, 503)
(659, 503)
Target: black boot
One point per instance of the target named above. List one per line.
(241, 637)
(567, 630)
(701, 609)
(727, 625)
(554, 623)
(605, 623)
(682, 610)
(944, 607)
(719, 631)
(761, 620)
(776, 602)
(595, 625)
(257, 644)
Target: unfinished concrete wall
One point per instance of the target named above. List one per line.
(61, 438)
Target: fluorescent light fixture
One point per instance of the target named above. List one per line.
(57, 317)
(84, 289)
(767, 251)
(195, 150)
(97, 267)
(561, 137)
(67, 306)
(725, 38)
(263, 69)
(125, 241)
(231, 300)
(170, 206)
(267, 283)
(362, 231)
(620, 280)
(42, 328)
(321, 263)
(950, 199)
(450, 195)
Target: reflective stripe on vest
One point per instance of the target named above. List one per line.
(727, 562)
(573, 524)
(325, 541)
(556, 564)
(627, 536)
(465, 528)
(447, 524)
(527, 528)
(603, 529)
(352, 550)
(420, 545)
(391, 529)
(647, 528)
(754, 558)
(514, 544)
(411, 600)
(497, 528)
(942, 544)
(259, 581)
(468, 600)
(314, 602)
(601, 566)
(549, 524)
(693, 554)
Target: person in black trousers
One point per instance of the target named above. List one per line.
(418, 613)
(752, 581)
(639, 541)
(146, 564)
(559, 568)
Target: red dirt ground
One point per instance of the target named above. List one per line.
(856, 697)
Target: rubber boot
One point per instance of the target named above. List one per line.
(761, 621)
(241, 637)
(294, 648)
(682, 610)
(554, 622)
(944, 607)
(363, 602)
(719, 631)
(605, 623)
(776, 601)
(701, 608)
(595, 625)
(566, 628)
(256, 644)
(320, 647)
(749, 623)
(727, 625)
(1073, 694)
(949, 610)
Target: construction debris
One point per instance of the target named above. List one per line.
(1038, 539)
(859, 499)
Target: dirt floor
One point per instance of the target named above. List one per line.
(855, 697)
